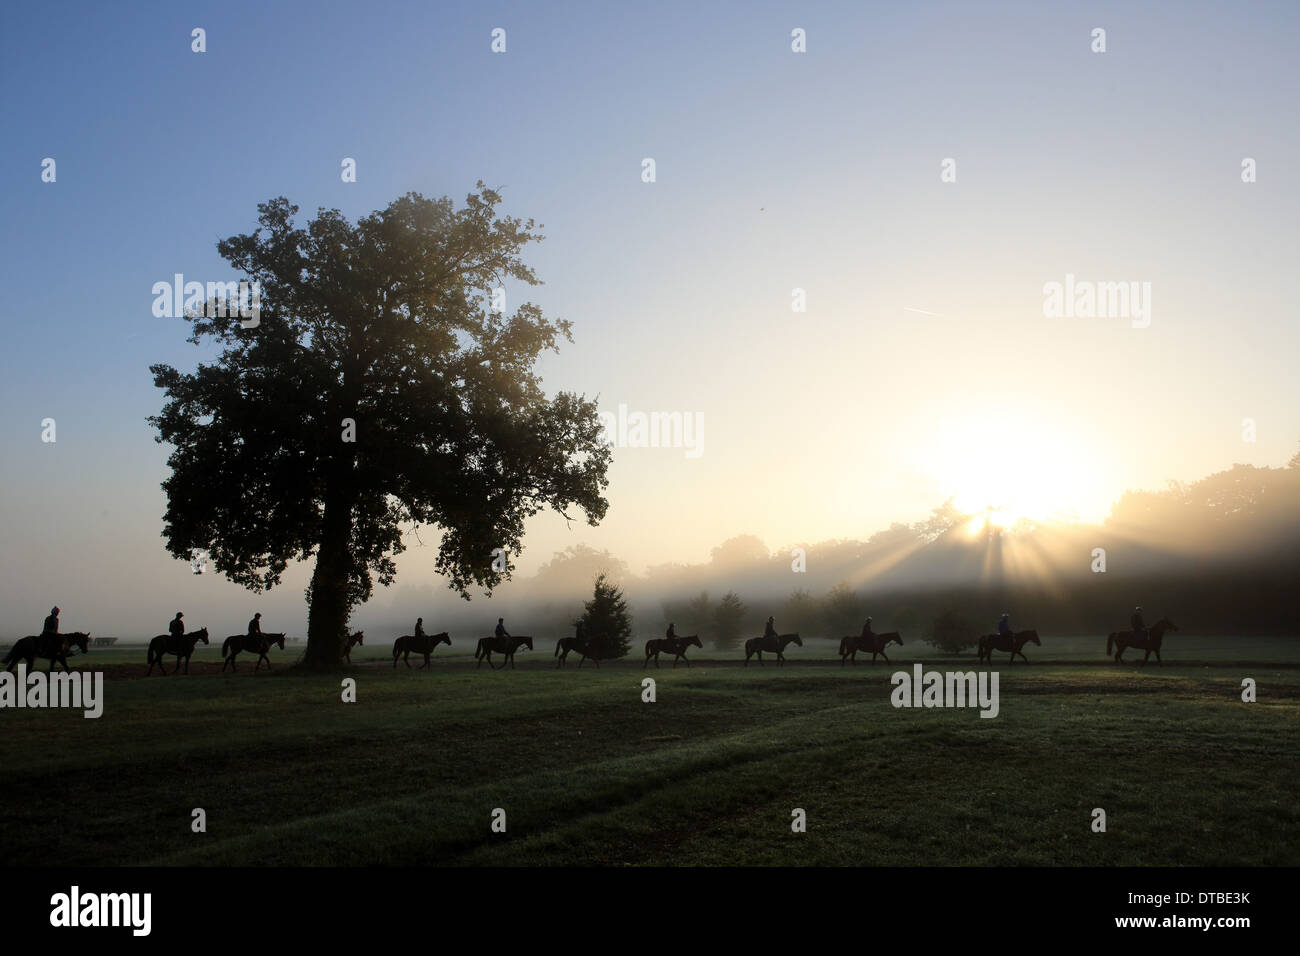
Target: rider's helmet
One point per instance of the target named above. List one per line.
(868, 619)
(54, 610)
(1138, 608)
(258, 614)
(179, 614)
(1005, 614)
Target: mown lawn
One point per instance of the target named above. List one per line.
(708, 774)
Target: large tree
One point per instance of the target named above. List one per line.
(387, 323)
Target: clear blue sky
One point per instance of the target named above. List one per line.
(1123, 165)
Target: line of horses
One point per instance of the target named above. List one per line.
(181, 646)
(56, 647)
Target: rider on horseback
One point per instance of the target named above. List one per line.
(770, 629)
(866, 629)
(255, 625)
(1135, 622)
(1004, 625)
(176, 627)
(419, 627)
(50, 628)
(501, 628)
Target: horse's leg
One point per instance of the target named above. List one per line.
(1158, 660)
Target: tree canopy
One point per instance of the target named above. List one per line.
(385, 325)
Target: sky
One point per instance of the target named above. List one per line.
(923, 366)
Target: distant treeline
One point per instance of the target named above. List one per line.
(1221, 555)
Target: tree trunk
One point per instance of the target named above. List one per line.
(327, 618)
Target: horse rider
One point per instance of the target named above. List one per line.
(579, 639)
(255, 625)
(1004, 626)
(419, 627)
(866, 629)
(176, 627)
(770, 629)
(670, 635)
(51, 626)
(501, 631)
(1135, 622)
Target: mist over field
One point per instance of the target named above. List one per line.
(1221, 554)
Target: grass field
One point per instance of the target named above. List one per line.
(708, 774)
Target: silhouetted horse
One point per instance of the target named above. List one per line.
(1121, 640)
(875, 643)
(353, 640)
(777, 644)
(182, 647)
(500, 645)
(676, 646)
(1014, 643)
(588, 647)
(421, 644)
(52, 646)
(257, 644)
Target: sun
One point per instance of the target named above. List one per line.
(1007, 465)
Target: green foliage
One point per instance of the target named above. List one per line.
(845, 611)
(800, 612)
(728, 620)
(693, 616)
(387, 323)
(952, 633)
(607, 617)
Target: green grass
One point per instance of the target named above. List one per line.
(709, 774)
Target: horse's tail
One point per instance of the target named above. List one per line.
(13, 654)
(225, 646)
(558, 645)
(150, 654)
(478, 651)
(397, 646)
(1110, 642)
